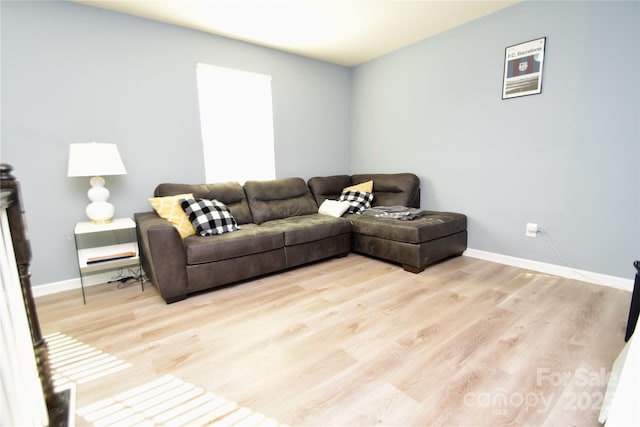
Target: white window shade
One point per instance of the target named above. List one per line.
(236, 119)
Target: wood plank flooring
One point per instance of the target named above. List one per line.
(345, 342)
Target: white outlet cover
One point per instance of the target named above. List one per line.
(532, 230)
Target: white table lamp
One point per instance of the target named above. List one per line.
(95, 160)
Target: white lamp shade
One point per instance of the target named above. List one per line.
(94, 159)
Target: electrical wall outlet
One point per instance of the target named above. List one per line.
(532, 230)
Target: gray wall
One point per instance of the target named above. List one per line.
(73, 73)
(566, 159)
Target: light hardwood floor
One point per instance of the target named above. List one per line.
(351, 341)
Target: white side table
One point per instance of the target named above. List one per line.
(109, 246)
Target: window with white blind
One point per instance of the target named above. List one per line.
(236, 120)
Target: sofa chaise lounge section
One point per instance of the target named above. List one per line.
(415, 244)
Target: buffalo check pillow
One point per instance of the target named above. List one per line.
(209, 217)
(359, 200)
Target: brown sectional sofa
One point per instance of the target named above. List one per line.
(280, 228)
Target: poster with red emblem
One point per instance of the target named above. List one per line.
(523, 69)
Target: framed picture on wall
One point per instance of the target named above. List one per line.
(523, 65)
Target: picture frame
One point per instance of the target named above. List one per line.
(523, 64)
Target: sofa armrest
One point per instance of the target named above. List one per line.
(163, 256)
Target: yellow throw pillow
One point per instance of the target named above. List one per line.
(169, 208)
(365, 187)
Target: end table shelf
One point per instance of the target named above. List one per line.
(84, 255)
(125, 253)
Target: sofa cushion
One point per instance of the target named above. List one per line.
(248, 240)
(279, 198)
(308, 228)
(432, 225)
(393, 189)
(209, 217)
(358, 200)
(390, 189)
(230, 193)
(328, 187)
(169, 208)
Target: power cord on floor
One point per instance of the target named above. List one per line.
(552, 246)
(562, 259)
(126, 280)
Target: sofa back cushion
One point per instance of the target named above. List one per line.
(230, 193)
(392, 189)
(328, 187)
(279, 198)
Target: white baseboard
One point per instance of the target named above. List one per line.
(556, 270)
(67, 285)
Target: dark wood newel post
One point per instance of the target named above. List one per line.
(22, 249)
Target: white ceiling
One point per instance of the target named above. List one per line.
(345, 32)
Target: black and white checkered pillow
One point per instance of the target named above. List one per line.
(209, 217)
(358, 200)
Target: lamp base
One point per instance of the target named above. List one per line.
(101, 221)
(99, 211)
